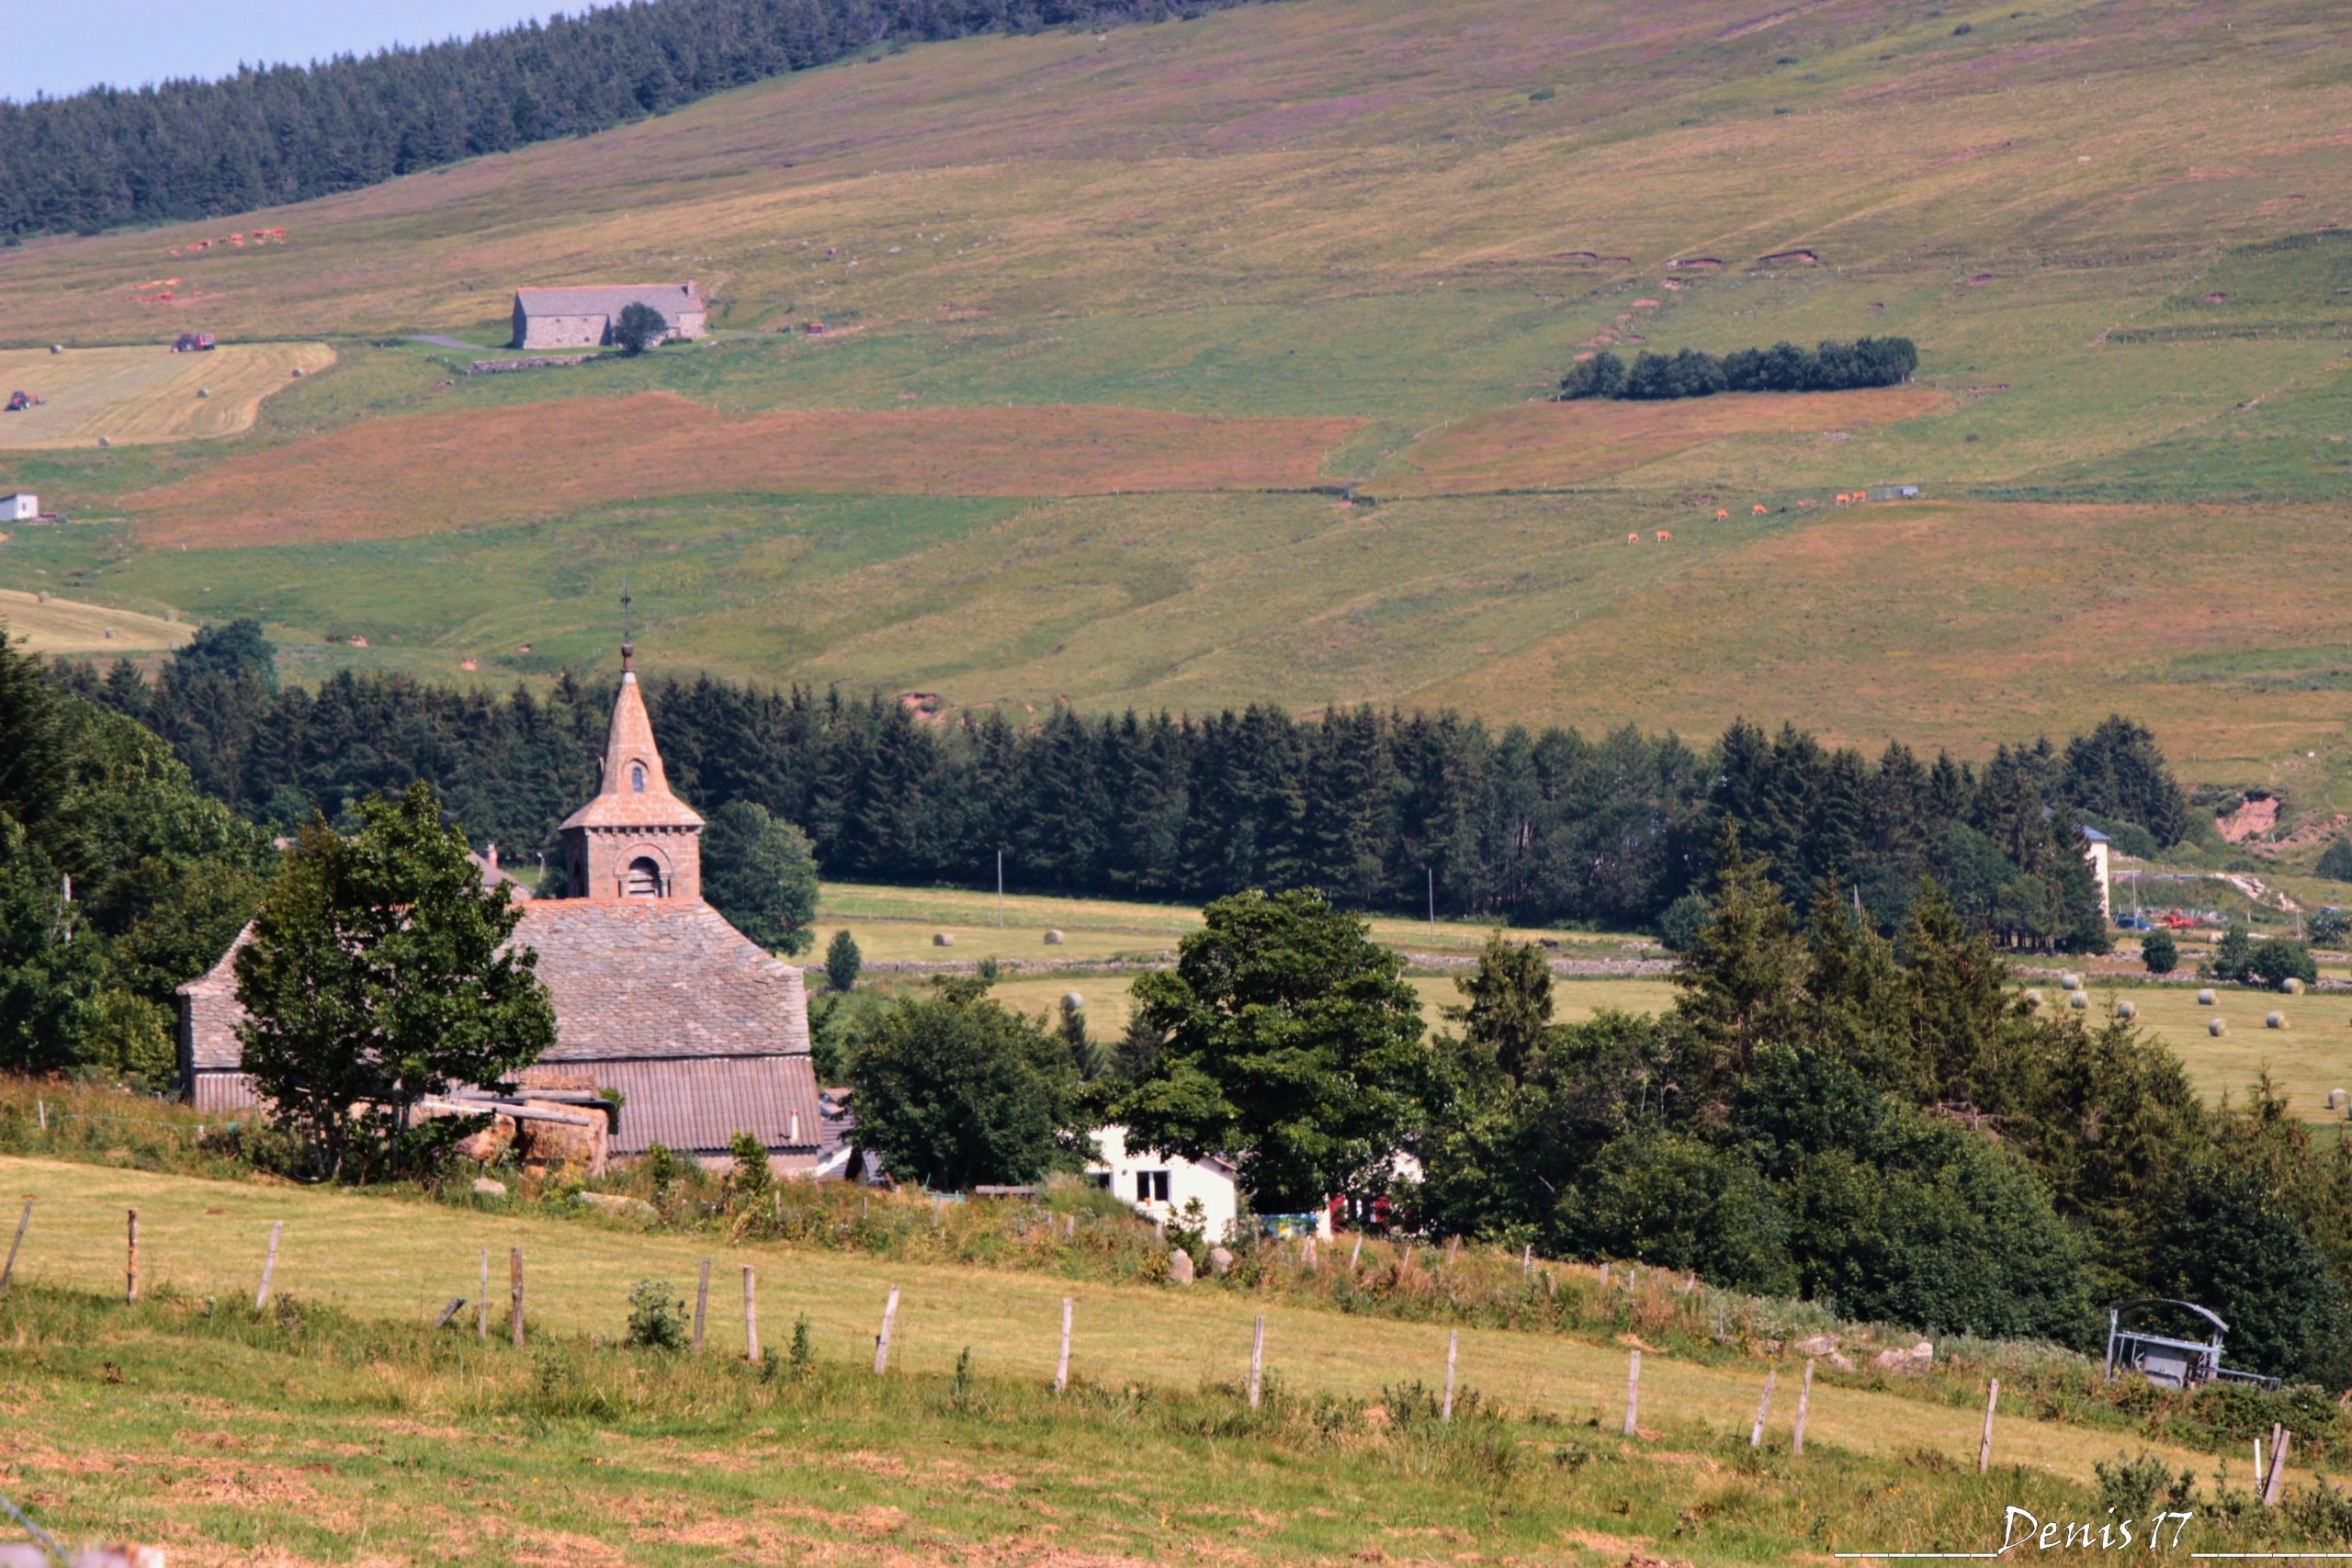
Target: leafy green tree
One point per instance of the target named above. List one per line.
(1673, 1200)
(954, 1089)
(1289, 1042)
(2328, 928)
(51, 964)
(761, 875)
(639, 327)
(2230, 956)
(843, 961)
(129, 1039)
(227, 651)
(379, 973)
(2335, 861)
(2277, 959)
(750, 1174)
(2228, 1245)
(2159, 951)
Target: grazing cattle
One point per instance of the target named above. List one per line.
(1633, 538)
(1664, 537)
(1758, 509)
(1721, 516)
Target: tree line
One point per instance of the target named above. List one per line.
(274, 134)
(1783, 367)
(1378, 808)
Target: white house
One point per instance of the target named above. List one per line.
(2095, 850)
(1159, 1186)
(22, 507)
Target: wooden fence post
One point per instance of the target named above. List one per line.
(2279, 1438)
(482, 1301)
(1804, 1397)
(1632, 1391)
(41, 1107)
(1356, 1254)
(24, 1220)
(1061, 1367)
(1257, 1359)
(882, 1340)
(1527, 1261)
(751, 1317)
(268, 1267)
(702, 1303)
(1452, 1344)
(131, 1295)
(1763, 1409)
(1985, 1448)
(514, 1307)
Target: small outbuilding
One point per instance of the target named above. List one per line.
(585, 318)
(1159, 1186)
(24, 506)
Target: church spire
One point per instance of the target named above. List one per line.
(633, 837)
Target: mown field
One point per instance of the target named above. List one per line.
(340, 1427)
(145, 395)
(66, 627)
(1094, 295)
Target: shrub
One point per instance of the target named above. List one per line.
(2160, 952)
(752, 1176)
(2277, 958)
(2329, 928)
(843, 961)
(1783, 367)
(657, 1320)
(661, 1169)
(2130, 1487)
(1678, 1203)
(2336, 862)
(2230, 955)
(641, 326)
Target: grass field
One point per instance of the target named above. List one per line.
(1354, 243)
(64, 626)
(135, 397)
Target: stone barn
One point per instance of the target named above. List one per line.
(701, 1030)
(584, 318)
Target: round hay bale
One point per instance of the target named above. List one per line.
(2337, 1100)
(57, 349)
(2274, 1021)
(942, 939)
(2291, 985)
(297, 372)
(1073, 1002)
(204, 391)
(1053, 939)
(2127, 1010)
(106, 440)
(2077, 1000)
(2069, 981)
(2216, 1027)
(2205, 998)
(2033, 999)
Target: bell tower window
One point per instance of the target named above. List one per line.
(636, 778)
(643, 879)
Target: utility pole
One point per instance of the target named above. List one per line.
(1431, 873)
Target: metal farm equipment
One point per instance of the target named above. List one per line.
(2164, 1360)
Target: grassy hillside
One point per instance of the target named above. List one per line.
(337, 1425)
(1359, 237)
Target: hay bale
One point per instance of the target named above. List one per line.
(2291, 985)
(2069, 981)
(2274, 1021)
(942, 939)
(2205, 998)
(204, 391)
(2033, 999)
(2077, 1000)
(2216, 1027)
(1053, 939)
(1073, 1002)
(2127, 1010)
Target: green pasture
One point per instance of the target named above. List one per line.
(404, 1260)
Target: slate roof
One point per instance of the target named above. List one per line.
(627, 745)
(660, 977)
(670, 298)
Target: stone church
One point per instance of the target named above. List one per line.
(656, 996)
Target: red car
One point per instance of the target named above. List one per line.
(193, 343)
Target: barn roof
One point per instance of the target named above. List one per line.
(609, 300)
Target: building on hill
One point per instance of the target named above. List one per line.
(24, 506)
(586, 318)
(702, 1031)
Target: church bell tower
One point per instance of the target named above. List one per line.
(633, 838)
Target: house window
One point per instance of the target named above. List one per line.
(644, 878)
(1152, 1187)
(637, 777)
(1100, 1178)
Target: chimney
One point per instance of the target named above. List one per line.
(792, 1130)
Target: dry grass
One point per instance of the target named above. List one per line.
(137, 397)
(432, 473)
(1547, 445)
(61, 625)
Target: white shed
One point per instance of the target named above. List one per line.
(22, 507)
